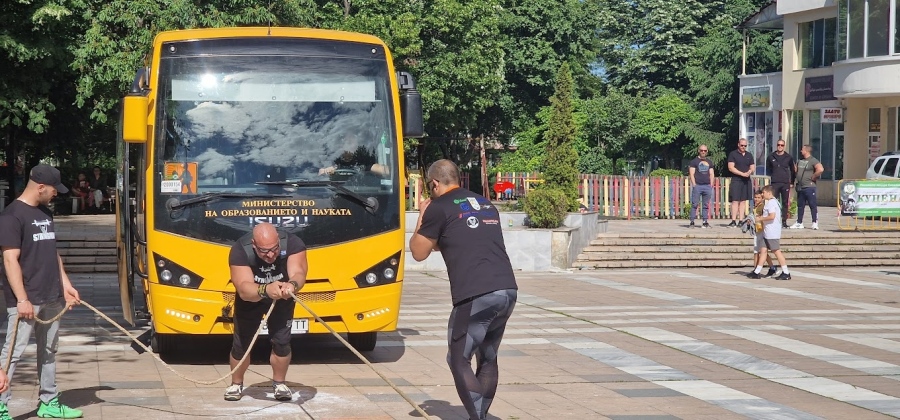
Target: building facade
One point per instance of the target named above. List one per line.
(839, 85)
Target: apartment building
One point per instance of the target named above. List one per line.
(839, 88)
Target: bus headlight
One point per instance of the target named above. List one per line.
(384, 272)
(371, 278)
(172, 274)
(184, 280)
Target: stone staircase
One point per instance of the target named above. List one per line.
(733, 249)
(87, 252)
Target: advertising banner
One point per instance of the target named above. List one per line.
(870, 198)
(832, 115)
(756, 98)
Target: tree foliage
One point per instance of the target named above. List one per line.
(560, 166)
(648, 79)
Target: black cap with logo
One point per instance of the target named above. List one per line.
(48, 175)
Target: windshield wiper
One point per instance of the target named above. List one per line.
(371, 203)
(174, 204)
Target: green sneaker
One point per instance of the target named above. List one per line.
(4, 412)
(55, 410)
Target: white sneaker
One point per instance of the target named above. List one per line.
(797, 226)
(233, 392)
(815, 226)
(282, 392)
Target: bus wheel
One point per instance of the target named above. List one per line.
(162, 343)
(363, 341)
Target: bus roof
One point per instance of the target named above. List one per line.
(256, 32)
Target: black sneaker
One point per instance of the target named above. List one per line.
(783, 277)
(754, 275)
(784, 225)
(705, 225)
(732, 224)
(691, 225)
(771, 272)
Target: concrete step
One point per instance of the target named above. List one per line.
(87, 252)
(702, 257)
(743, 264)
(706, 248)
(732, 248)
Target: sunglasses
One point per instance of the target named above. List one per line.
(266, 251)
(780, 144)
(742, 145)
(704, 150)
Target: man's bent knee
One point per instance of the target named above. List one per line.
(281, 349)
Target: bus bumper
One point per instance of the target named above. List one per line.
(177, 310)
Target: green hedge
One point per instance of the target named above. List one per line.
(666, 172)
(546, 207)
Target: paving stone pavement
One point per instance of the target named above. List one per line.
(607, 344)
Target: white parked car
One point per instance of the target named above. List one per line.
(885, 166)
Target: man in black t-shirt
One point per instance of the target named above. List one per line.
(265, 264)
(782, 170)
(36, 286)
(702, 176)
(741, 165)
(465, 228)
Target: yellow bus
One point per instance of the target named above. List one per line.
(231, 127)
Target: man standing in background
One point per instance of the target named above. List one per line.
(741, 165)
(782, 170)
(809, 169)
(702, 176)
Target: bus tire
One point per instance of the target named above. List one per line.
(162, 343)
(363, 341)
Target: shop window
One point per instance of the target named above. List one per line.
(817, 43)
(864, 26)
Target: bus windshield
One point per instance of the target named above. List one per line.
(304, 142)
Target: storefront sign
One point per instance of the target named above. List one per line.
(819, 88)
(756, 98)
(832, 115)
(870, 198)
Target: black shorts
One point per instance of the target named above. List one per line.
(740, 189)
(247, 317)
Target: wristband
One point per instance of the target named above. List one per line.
(296, 285)
(261, 291)
(22, 301)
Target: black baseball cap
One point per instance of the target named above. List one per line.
(48, 175)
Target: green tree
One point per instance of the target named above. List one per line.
(713, 68)
(560, 165)
(669, 127)
(647, 44)
(607, 130)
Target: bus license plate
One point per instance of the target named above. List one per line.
(298, 326)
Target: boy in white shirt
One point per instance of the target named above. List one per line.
(771, 220)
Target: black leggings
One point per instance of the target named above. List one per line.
(475, 329)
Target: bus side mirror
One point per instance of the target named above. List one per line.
(410, 106)
(134, 118)
(134, 109)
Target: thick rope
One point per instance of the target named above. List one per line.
(363, 358)
(135, 339)
(246, 355)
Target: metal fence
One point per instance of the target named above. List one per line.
(637, 196)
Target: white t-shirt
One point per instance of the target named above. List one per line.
(772, 228)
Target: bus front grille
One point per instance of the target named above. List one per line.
(305, 297)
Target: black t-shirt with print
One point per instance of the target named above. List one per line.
(263, 273)
(467, 229)
(701, 172)
(31, 230)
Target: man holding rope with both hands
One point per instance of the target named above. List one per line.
(36, 286)
(266, 265)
